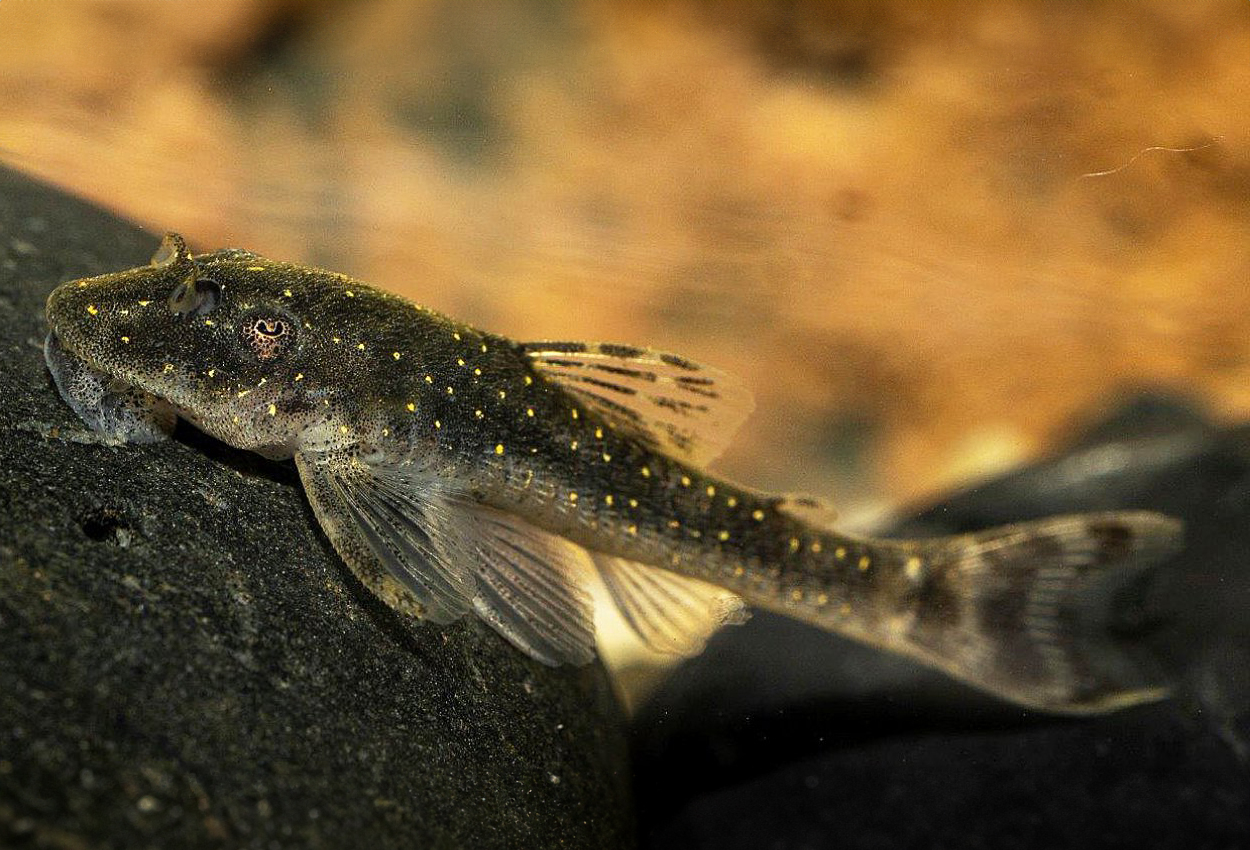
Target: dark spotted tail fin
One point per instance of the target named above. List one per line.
(1029, 610)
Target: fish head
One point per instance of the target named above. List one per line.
(219, 337)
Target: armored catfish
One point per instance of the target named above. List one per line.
(459, 471)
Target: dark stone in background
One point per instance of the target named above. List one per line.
(184, 661)
(780, 737)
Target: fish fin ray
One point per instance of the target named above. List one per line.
(393, 529)
(528, 586)
(1034, 604)
(671, 614)
(669, 403)
(410, 537)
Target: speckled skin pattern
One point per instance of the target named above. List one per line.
(457, 470)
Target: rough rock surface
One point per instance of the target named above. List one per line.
(184, 662)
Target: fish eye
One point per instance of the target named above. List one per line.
(269, 335)
(195, 296)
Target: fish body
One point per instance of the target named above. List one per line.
(458, 471)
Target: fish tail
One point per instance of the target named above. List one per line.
(1029, 611)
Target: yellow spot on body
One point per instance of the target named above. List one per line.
(529, 411)
(672, 523)
(429, 379)
(816, 547)
(796, 595)
(732, 501)
(477, 372)
(675, 559)
(528, 380)
(483, 348)
(395, 354)
(360, 346)
(386, 432)
(646, 472)
(479, 414)
(438, 423)
(822, 599)
(235, 419)
(711, 491)
(685, 481)
(694, 532)
(794, 544)
(287, 293)
(92, 309)
(498, 448)
(459, 361)
(572, 497)
(262, 382)
(723, 536)
(212, 372)
(144, 303)
(574, 413)
(242, 393)
(840, 553)
(273, 409)
(633, 529)
(451, 391)
(336, 340)
(912, 568)
(169, 367)
(411, 407)
(573, 445)
(864, 563)
(607, 458)
(503, 394)
(299, 376)
(757, 515)
(455, 335)
(598, 433)
(342, 429)
(633, 503)
(209, 322)
(351, 294)
(255, 268)
(739, 571)
(607, 500)
(126, 340)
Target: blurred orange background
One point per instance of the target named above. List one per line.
(929, 235)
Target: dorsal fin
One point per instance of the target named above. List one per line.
(671, 404)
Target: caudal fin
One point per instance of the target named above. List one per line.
(1027, 611)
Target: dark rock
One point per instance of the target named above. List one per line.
(782, 736)
(184, 662)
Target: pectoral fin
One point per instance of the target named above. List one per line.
(395, 528)
(428, 550)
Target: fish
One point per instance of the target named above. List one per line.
(457, 472)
